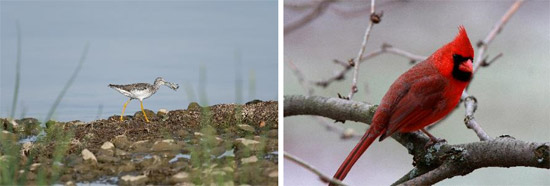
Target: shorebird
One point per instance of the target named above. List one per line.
(141, 91)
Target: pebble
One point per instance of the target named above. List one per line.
(165, 145)
(247, 128)
(251, 144)
(162, 111)
(133, 180)
(119, 152)
(89, 157)
(180, 177)
(127, 166)
(273, 174)
(198, 134)
(121, 142)
(35, 166)
(107, 149)
(70, 183)
(141, 146)
(107, 159)
(251, 159)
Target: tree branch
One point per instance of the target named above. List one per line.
(333, 108)
(346, 134)
(385, 48)
(341, 109)
(324, 178)
(470, 103)
(462, 159)
(300, 76)
(492, 34)
(374, 19)
(320, 8)
(439, 161)
(413, 57)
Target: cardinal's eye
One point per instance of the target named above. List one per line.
(458, 58)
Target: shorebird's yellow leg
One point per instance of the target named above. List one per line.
(141, 102)
(124, 108)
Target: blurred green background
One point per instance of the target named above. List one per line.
(513, 93)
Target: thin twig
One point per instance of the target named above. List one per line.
(345, 134)
(344, 64)
(319, 9)
(385, 48)
(301, 79)
(413, 57)
(338, 76)
(309, 167)
(355, 11)
(470, 102)
(492, 34)
(301, 5)
(373, 20)
(485, 63)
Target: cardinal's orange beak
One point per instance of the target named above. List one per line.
(467, 66)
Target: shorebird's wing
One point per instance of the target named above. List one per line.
(137, 86)
(130, 87)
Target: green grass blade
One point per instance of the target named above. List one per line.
(190, 92)
(203, 98)
(251, 85)
(17, 72)
(68, 84)
(238, 78)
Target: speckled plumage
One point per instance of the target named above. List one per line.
(141, 91)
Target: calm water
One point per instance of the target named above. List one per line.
(136, 42)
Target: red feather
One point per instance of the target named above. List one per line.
(419, 97)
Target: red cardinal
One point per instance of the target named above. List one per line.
(419, 97)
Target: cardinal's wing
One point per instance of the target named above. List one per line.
(423, 97)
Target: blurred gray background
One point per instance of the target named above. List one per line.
(136, 41)
(513, 93)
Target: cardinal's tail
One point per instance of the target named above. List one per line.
(354, 155)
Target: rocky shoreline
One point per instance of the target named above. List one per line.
(224, 144)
